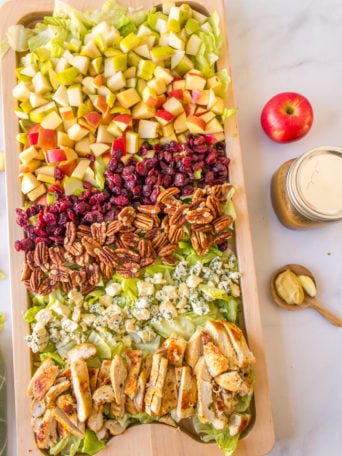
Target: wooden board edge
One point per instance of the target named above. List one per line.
(262, 433)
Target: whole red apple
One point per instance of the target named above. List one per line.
(287, 117)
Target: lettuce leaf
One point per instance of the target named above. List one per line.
(30, 314)
(91, 444)
(55, 356)
(181, 325)
(224, 440)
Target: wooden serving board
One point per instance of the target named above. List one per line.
(152, 439)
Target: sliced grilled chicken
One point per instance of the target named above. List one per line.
(214, 358)
(55, 391)
(169, 400)
(67, 403)
(178, 374)
(95, 422)
(173, 348)
(93, 376)
(141, 384)
(81, 388)
(218, 333)
(154, 393)
(62, 418)
(37, 408)
(42, 379)
(221, 420)
(84, 351)
(103, 395)
(187, 394)
(103, 377)
(118, 376)
(114, 427)
(244, 356)
(117, 410)
(102, 434)
(204, 392)
(134, 365)
(194, 349)
(232, 381)
(130, 406)
(238, 422)
(44, 431)
(229, 401)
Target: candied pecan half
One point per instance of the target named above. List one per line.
(90, 245)
(129, 239)
(93, 273)
(75, 249)
(29, 258)
(202, 215)
(166, 194)
(77, 277)
(83, 259)
(222, 237)
(170, 260)
(83, 230)
(106, 270)
(106, 256)
(25, 273)
(56, 254)
(127, 255)
(149, 209)
(143, 222)
(222, 223)
(214, 205)
(167, 250)
(160, 240)
(146, 250)
(67, 286)
(98, 232)
(113, 227)
(70, 233)
(35, 278)
(47, 286)
(175, 234)
(178, 217)
(86, 287)
(203, 228)
(59, 274)
(146, 262)
(127, 215)
(129, 270)
(199, 242)
(41, 256)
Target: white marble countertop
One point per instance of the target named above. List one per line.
(277, 46)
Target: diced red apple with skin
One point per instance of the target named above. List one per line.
(160, 100)
(195, 95)
(42, 200)
(213, 138)
(100, 103)
(178, 84)
(207, 116)
(164, 117)
(179, 123)
(149, 96)
(219, 106)
(195, 124)
(66, 113)
(32, 134)
(93, 118)
(190, 109)
(132, 141)
(67, 167)
(159, 85)
(173, 106)
(123, 121)
(119, 144)
(47, 139)
(176, 93)
(55, 155)
(99, 148)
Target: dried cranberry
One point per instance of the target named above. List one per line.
(59, 173)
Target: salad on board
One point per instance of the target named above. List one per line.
(128, 222)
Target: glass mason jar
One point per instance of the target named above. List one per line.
(307, 191)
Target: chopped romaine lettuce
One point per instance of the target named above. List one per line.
(181, 325)
(55, 356)
(91, 444)
(224, 440)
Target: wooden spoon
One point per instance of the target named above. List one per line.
(308, 300)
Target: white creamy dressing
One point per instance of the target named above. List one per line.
(320, 182)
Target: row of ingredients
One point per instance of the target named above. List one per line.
(129, 227)
(209, 376)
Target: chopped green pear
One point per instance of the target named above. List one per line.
(72, 185)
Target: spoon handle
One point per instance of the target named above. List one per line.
(334, 319)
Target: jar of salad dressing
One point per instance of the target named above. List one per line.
(307, 191)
